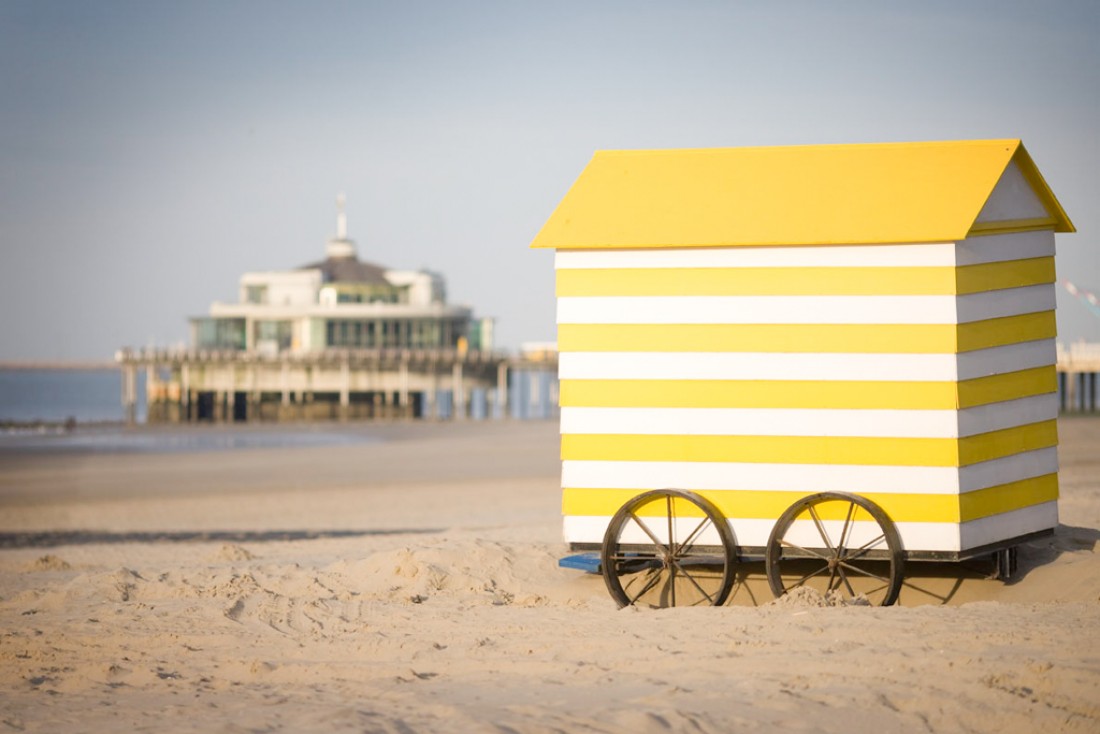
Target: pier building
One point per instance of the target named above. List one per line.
(340, 302)
(339, 338)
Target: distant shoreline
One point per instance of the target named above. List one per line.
(86, 366)
(53, 426)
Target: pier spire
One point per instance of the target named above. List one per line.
(341, 217)
(340, 245)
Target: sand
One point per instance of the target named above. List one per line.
(411, 585)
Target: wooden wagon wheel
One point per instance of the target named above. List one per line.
(659, 550)
(839, 544)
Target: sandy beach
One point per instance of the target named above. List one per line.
(406, 580)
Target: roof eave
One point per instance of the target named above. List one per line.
(1031, 173)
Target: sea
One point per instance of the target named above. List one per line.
(58, 395)
(76, 410)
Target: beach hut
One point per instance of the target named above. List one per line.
(827, 354)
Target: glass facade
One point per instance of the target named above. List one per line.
(278, 334)
(394, 333)
(367, 293)
(211, 333)
(255, 294)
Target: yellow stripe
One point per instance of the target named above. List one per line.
(780, 338)
(1008, 497)
(1009, 386)
(833, 281)
(1007, 330)
(1008, 441)
(822, 394)
(1008, 274)
(756, 394)
(876, 451)
(820, 281)
(802, 338)
(765, 505)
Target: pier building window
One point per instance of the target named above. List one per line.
(353, 293)
(349, 297)
(390, 333)
(212, 333)
(277, 335)
(334, 333)
(255, 294)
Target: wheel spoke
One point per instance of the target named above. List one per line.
(864, 572)
(844, 578)
(808, 576)
(864, 549)
(648, 532)
(694, 583)
(679, 550)
(820, 527)
(671, 545)
(845, 530)
(789, 544)
(653, 578)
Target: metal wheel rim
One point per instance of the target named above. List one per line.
(879, 563)
(667, 566)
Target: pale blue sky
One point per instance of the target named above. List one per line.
(152, 152)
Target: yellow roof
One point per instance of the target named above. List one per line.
(797, 195)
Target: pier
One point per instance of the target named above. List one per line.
(1078, 365)
(191, 385)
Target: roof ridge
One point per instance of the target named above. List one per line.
(804, 146)
(841, 193)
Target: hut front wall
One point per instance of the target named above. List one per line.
(921, 376)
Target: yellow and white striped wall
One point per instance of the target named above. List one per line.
(918, 375)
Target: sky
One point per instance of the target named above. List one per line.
(151, 153)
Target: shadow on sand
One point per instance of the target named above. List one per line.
(52, 539)
(939, 582)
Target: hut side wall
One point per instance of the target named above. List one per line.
(921, 376)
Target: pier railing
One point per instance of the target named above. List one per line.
(185, 385)
(1078, 365)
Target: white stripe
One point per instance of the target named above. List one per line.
(754, 366)
(1007, 358)
(643, 475)
(915, 536)
(973, 251)
(1004, 247)
(998, 528)
(924, 255)
(760, 422)
(1006, 302)
(805, 478)
(1007, 414)
(757, 310)
(796, 366)
(805, 309)
(809, 422)
(1014, 468)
